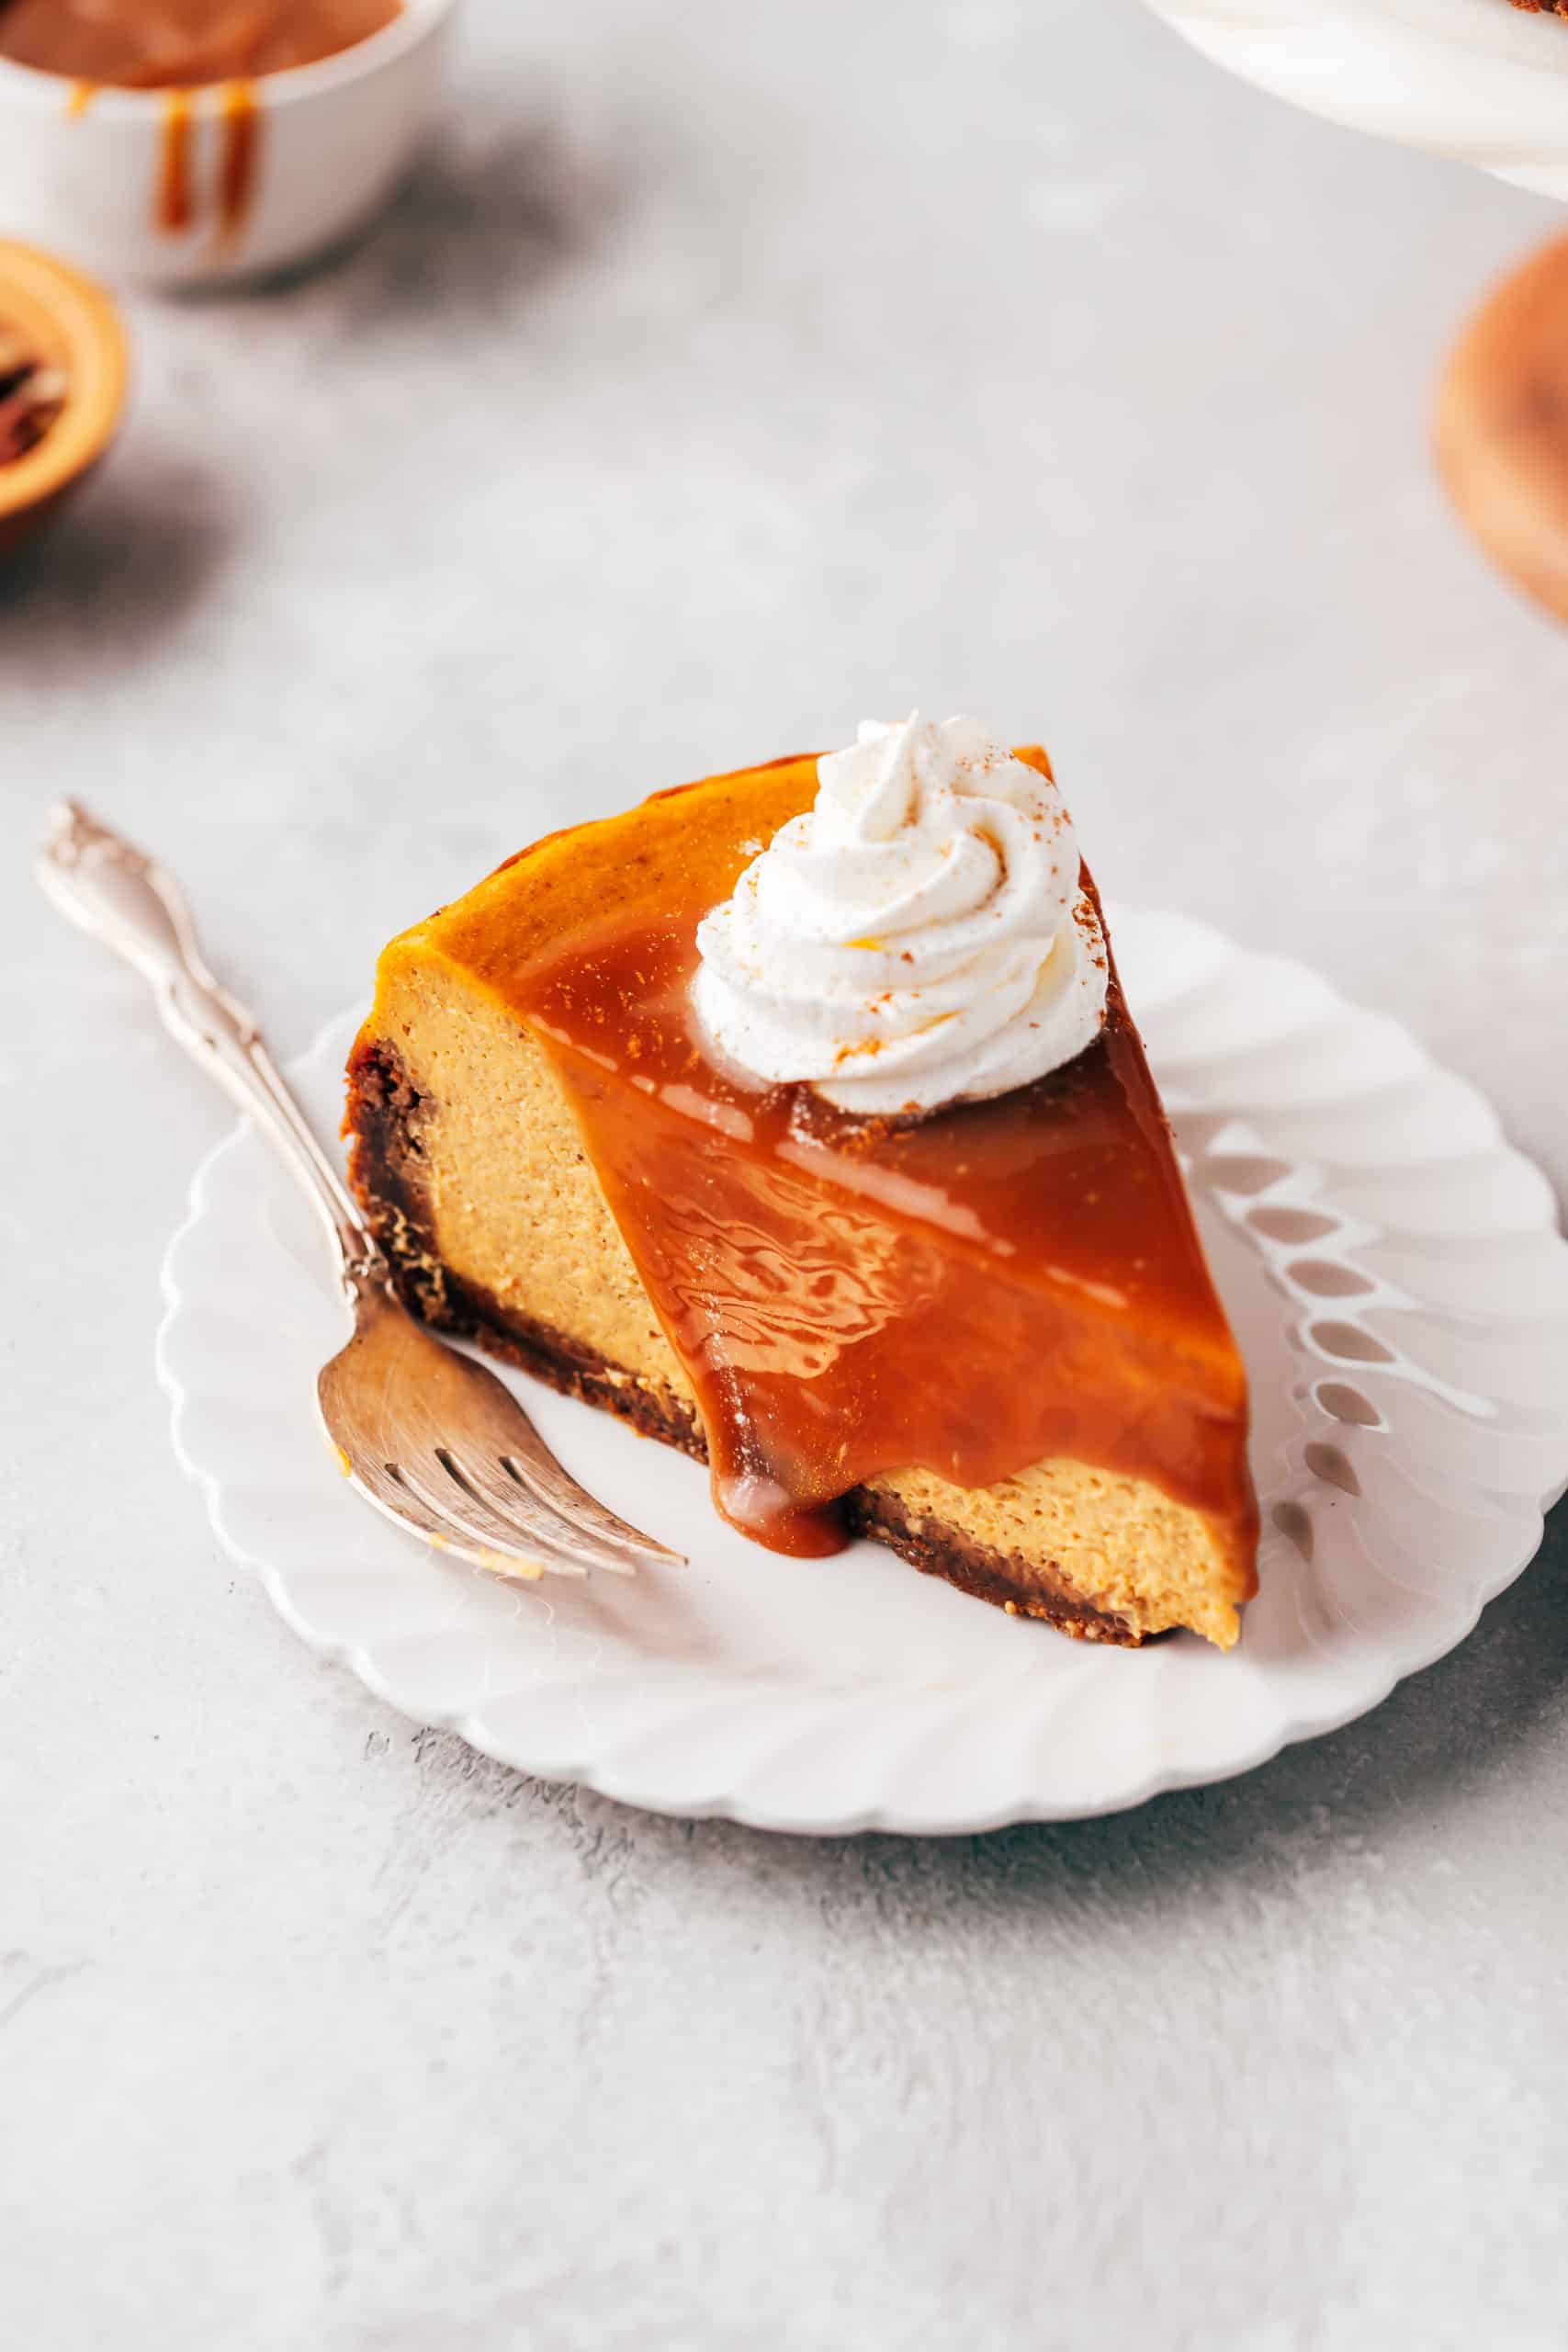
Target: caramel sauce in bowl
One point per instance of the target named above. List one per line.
(65, 321)
(183, 44)
(190, 142)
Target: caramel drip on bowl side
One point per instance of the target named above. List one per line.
(172, 210)
(239, 171)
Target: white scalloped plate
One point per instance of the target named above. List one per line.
(1476, 79)
(1400, 1294)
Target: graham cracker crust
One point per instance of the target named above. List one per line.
(386, 1173)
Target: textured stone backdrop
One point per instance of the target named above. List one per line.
(725, 374)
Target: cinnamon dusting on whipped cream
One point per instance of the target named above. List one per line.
(919, 937)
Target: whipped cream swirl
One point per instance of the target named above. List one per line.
(918, 937)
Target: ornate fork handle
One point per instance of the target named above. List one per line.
(112, 890)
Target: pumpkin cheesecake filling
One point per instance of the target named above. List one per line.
(985, 1336)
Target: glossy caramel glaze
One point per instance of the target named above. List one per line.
(166, 44)
(999, 1284)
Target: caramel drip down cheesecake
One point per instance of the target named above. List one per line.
(797, 1117)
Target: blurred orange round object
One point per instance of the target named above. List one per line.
(1502, 426)
(70, 326)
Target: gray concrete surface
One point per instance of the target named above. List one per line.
(723, 374)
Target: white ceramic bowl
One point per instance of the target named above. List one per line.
(195, 188)
(1471, 78)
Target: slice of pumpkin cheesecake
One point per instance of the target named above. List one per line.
(797, 1117)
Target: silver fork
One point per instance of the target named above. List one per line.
(431, 1438)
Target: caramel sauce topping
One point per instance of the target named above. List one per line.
(997, 1285)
